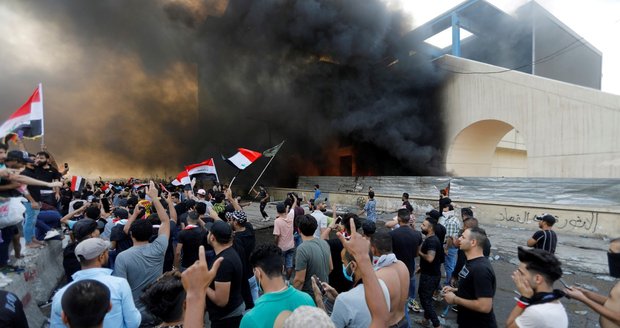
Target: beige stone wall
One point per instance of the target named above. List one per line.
(582, 221)
(567, 130)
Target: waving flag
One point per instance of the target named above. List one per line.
(205, 167)
(182, 179)
(271, 152)
(243, 158)
(28, 118)
(77, 183)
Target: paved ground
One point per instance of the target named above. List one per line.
(584, 262)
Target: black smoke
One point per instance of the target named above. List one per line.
(316, 73)
(143, 87)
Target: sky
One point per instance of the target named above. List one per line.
(598, 21)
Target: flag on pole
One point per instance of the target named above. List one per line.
(271, 152)
(28, 118)
(77, 183)
(182, 179)
(206, 167)
(243, 158)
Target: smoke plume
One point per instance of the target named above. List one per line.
(145, 86)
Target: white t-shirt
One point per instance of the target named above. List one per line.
(547, 315)
(321, 220)
(351, 310)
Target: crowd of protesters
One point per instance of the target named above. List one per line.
(152, 255)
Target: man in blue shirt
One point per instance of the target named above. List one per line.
(371, 207)
(93, 255)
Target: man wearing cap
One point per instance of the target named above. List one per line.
(321, 219)
(224, 299)
(82, 230)
(246, 240)
(93, 256)
(545, 238)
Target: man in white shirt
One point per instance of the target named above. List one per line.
(539, 304)
(321, 219)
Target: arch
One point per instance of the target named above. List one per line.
(487, 148)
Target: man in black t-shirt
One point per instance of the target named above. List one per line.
(46, 172)
(545, 238)
(336, 277)
(477, 284)
(189, 240)
(430, 271)
(224, 301)
(405, 243)
(11, 311)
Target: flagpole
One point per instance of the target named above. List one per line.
(42, 115)
(233, 179)
(261, 174)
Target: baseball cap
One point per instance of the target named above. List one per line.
(221, 231)
(201, 192)
(91, 248)
(318, 202)
(238, 216)
(18, 155)
(83, 228)
(550, 219)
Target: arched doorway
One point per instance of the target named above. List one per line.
(488, 148)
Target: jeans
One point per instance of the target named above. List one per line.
(29, 222)
(450, 263)
(427, 287)
(297, 238)
(46, 221)
(253, 288)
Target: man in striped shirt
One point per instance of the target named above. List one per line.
(545, 238)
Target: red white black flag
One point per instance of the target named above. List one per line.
(77, 183)
(243, 158)
(28, 118)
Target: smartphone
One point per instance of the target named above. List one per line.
(66, 165)
(106, 204)
(338, 219)
(319, 284)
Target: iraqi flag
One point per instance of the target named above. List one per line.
(182, 179)
(77, 183)
(243, 158)
(28, 118)
(206, 167)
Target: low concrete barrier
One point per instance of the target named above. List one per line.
(582, 220)
(34, 286)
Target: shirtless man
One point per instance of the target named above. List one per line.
(607, 306)
(395, 275)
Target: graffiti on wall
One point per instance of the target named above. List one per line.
(588, 222)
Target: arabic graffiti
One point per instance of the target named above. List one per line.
(587, 222)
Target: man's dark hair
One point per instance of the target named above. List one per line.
(219, 197)
(43, 153)
(176, 195)
(404, 215)
(132, 201)
(450, 207)
(466, 211)
(369, 228)
(382, 241)
(317, 186)
(306, 224)
(371, 194)
(356, 221)
(406, 195)
(4, 146)
(432, 221)
(85, 303)
(141, 230)
(77, 205)
(268, 257)
(165, 297)
(541, 262)
(77, 195)
(92, 212)
(480, 235)
(201, 208)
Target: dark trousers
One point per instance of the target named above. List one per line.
(46, 221)
(426, 288)
(262, 210)
(7, 238)
(233, 322)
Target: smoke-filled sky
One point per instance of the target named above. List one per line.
(134, 88)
